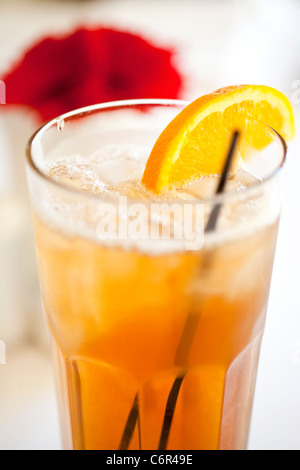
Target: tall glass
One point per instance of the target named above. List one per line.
(156, 339)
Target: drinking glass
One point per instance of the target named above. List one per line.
(156, 339)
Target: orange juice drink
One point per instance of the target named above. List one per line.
(138, 298)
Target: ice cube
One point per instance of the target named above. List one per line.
(242, 179)
(116, 164)
(116, 151)
(76, 173)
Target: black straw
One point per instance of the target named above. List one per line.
(187, 335)
(192, 319)
(130, 425)
(212, 222)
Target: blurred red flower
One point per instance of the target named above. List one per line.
(91, 66)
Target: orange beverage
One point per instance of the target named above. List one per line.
(132, 317)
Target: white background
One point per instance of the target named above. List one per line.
(219, 43)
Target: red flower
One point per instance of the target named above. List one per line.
(90, 66)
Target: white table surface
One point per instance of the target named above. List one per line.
(215, 51)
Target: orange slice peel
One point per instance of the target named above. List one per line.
(194, 143)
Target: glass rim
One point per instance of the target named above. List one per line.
(89, 110)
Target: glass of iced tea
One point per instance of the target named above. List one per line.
(150, 314)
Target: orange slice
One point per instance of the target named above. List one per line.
(195, 142)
